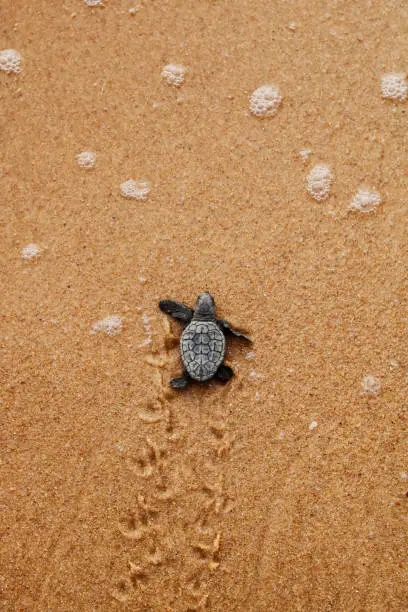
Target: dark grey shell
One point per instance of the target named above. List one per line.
(202, 348)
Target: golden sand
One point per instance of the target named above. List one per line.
(285, 489)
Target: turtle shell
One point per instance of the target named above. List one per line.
(202, 347)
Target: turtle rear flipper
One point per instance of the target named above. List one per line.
(224, 372)
(226, 327)
(181, 382)
(177, 310)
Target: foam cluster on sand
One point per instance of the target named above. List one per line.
(93, 2)
(365, 201)
(86, 159)
(31, 251)
(394, 86)
(135, 189)
(174, 74)
(10, 61)
(371, 385)
(265, 101)
(111, 325)
(319, 181)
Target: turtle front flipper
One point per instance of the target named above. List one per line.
(177, 310)
(226, 327)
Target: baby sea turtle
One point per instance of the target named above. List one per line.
(202, 343)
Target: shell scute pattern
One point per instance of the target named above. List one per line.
(202, 349)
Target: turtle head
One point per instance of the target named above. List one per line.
(205, 307)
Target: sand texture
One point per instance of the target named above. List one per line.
(287, 488)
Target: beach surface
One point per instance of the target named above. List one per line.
(287, 488)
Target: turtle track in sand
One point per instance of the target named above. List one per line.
(173, 532)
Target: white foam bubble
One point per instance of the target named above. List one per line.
(10, 61)
(253, 375)
(319, 181)
(134, 9)
(313, 425)
(111, 325)
(135, 189)
(265, 101)
(365, 201)
(305, 154)
(394, 86)
(31, 251)
(174, 74)
(93, 2)
(86, 159)
(371, 385)
(148, 329)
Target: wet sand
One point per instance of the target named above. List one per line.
(285, 489)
